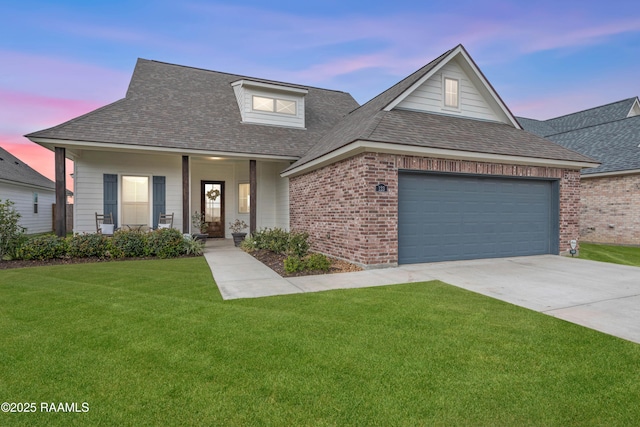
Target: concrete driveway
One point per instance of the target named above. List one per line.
(601, 296)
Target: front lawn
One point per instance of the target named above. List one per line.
(626, 255)
(152, 343)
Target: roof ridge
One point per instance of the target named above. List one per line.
(241, 76)
(590, 126)
(592, 108)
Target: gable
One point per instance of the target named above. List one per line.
(429, 96)
(635, 109)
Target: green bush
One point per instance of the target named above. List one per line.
(193, 246)
(87, 245)
(293, 264)
(166, 243)
(11, 233)
(317, 262)
(298, 244)
(248, 245)
(43, 247)
(126, 243)
(280, 241)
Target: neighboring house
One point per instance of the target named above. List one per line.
(31, 193)
(434, 168)
(610, 193)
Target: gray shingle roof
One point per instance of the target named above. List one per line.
(603, 133)
(174, 106)
(13, 169)
(370, 122)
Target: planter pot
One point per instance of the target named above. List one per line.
(238, 238)
(201, 237)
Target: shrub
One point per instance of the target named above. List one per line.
(166, 243)
(317, 262)
(298, 244)
(192, 246)
(293, 264)
(126, 243)
(87, 245)
(43, 247)
(11, 233)
(280, 241)
(248, 245)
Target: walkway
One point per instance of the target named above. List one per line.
(601, 296)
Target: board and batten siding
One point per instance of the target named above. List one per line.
(429, 96)
(89, 172)
(22, 197)
(245, 102)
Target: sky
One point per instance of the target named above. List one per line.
(61, 59)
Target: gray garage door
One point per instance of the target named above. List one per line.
(454, 217)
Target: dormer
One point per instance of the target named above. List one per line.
(270, 103)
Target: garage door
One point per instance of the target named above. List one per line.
(455, 217)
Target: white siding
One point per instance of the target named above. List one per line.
(282, 203)
(22, 197)
(429, 96)
(92, 165)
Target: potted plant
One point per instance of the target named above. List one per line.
(236, 231)
(197, 219)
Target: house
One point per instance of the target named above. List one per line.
(434, 168)
(32, 193)
(610, 193)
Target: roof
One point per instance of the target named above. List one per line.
(605, 133)
(371, 122)
(180, 107)
(14, 170)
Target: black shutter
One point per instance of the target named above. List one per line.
(110, 189)
(159, 197)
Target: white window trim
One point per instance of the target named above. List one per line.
(444, 93)
(275, 100)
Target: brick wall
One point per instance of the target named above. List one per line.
(610, 210)
(344, 216)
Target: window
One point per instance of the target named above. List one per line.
(451, 93)
(274, 105)
(135, 200)
(35, 203)
(244, 198)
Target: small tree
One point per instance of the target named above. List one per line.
(11, 233)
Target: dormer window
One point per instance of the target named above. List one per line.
(270, 103)
(451, 93)
(274, 105)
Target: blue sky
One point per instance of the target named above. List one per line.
(64, 58)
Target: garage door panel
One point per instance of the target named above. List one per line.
(449, 217)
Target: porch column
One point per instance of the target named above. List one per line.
(185, 195)
(61, 192)
(253, 196)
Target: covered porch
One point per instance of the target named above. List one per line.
(136, 186)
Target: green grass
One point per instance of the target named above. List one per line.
(152, 343)
(627, 255)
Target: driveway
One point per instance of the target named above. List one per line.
(601, 296)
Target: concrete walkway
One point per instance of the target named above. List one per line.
(601, 296)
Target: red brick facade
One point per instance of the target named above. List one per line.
(610, 210)
(345, 217)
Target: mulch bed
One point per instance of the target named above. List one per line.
(276, 263)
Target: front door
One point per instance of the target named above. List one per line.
(212, 206)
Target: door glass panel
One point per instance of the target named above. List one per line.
(213, 208)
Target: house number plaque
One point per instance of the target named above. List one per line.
(381, 188)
